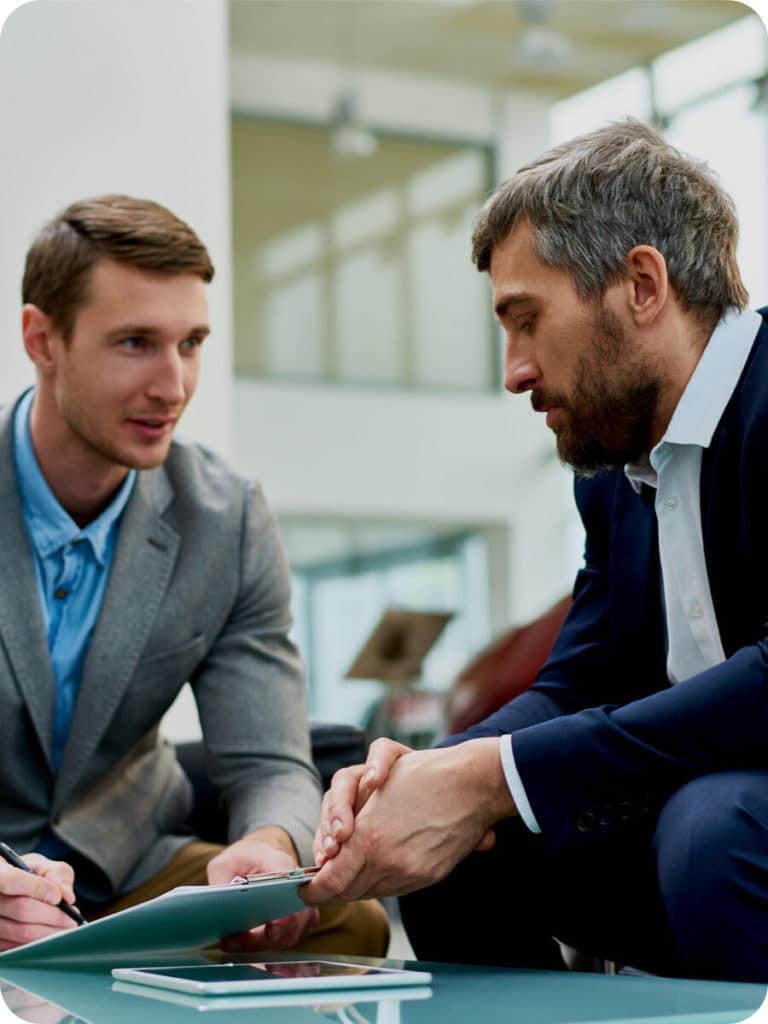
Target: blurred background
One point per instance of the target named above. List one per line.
(332, 154)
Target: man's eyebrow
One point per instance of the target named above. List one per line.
(198, 331)
(505, 302)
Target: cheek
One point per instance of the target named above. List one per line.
(191, 376)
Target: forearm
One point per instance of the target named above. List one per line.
(251, 698)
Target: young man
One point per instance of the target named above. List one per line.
(621, 804)
(132, 564)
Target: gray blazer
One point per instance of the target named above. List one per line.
(198, 592)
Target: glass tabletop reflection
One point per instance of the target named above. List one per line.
(79, 993)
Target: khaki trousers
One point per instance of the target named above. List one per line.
(357, 929)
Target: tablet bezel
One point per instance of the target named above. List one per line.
(169, 978)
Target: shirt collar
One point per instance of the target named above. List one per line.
(706, 394)
(51, 527)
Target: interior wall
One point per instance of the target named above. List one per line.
(118, 97)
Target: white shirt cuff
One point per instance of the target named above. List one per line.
(515, 784)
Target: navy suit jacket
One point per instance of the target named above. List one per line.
(602, 739)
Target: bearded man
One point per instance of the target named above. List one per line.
(620, 804)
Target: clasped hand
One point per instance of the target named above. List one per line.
(405, 818)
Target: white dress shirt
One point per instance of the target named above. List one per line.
(674, 469)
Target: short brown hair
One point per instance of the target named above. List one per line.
(138, 232)
(590, 201)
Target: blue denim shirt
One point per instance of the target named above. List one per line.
(72, 567)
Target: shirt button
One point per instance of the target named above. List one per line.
(60, 593)
(696, 611)
(670, 504)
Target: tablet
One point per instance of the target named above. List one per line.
(278, 976)
(318, 1000)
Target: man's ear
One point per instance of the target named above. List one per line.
(39, 338)
(647, 283)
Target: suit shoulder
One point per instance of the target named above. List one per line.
(202, 477)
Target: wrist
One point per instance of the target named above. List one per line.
(485, 766)
(276, 836)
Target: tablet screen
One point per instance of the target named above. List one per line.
(213, 979)
(261, 972)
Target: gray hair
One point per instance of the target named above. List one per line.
(591, 200)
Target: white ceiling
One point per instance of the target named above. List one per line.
(555, 46)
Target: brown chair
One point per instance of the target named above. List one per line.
(503, 669)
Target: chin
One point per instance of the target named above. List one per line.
(145, 459)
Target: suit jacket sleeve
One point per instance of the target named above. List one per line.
(601, 740)
(251, 697)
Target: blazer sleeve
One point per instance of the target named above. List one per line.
(620, 739)
(251, 695)
(601, 739)
(607, 768)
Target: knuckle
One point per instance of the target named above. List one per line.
(343, 779)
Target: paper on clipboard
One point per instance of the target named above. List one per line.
(189, 917)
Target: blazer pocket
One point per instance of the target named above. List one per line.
(188, 651)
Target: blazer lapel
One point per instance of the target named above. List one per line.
(143, 562)
(21, 618)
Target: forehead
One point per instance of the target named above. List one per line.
(115, 290)
(517, 274)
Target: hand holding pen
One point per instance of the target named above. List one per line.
(29, 906)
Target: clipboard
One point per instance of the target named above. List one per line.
(188, 917)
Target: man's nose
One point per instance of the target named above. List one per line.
(168, 381)
(521, 373)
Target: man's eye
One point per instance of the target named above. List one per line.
(132, 343)
(528, 324)
(190, 344)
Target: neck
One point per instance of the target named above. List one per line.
(678, 351)
(81, 480)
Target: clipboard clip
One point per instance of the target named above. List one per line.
(298, 874)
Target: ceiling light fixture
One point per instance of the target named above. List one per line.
(349, 138)
(540, 42)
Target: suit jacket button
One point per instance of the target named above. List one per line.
(625, 810)
(586, 821)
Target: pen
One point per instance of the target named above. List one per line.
(13, 858)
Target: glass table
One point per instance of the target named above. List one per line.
(87, 994)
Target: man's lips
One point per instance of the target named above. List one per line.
(553, 414)
(553, 410)
(152, 427)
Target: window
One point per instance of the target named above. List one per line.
(355, 270)
(338, 602)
